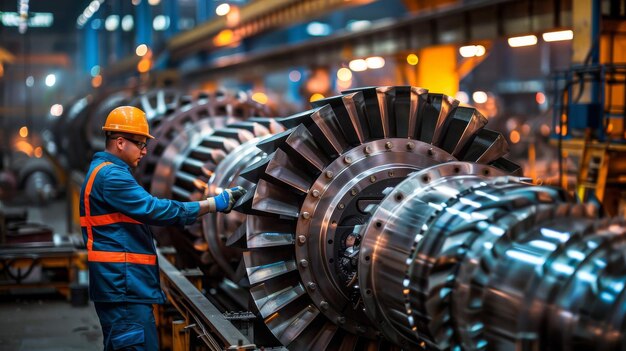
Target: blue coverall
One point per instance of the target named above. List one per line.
(123, 270)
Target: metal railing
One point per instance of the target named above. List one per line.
(206, 320)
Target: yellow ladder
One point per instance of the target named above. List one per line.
(594, 170)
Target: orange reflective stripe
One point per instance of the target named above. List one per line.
(90, 184)
(89, 238)
(90, 221)
(86, 202)
(106, 219)
(120, 257)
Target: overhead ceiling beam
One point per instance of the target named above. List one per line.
(252, 19)
(481, 20)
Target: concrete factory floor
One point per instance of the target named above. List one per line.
(47, 322)
(43, 320)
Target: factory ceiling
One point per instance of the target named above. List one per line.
(64, 14)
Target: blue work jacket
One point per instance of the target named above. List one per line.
(115, 216)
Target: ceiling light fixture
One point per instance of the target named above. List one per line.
(358, 65)
(375, 62)
(89, 11)
(558, 35)
(23, 11)
(472, 50)
(526, 40)
(222, 9)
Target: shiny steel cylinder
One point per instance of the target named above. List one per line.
(40, 187)
(36, 177)
(388, 237)
(454, 260)
(319, 185)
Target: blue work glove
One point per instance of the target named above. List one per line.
(225, 201)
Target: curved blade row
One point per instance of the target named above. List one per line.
(171, 113)
(297, 157)
(193, 135)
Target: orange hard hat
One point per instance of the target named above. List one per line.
(127, 119)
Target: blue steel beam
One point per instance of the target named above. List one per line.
(172, 10)
(90, 46)
(143, 25)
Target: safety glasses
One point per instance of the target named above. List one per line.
(140, 145)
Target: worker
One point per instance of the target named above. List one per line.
(115, 216)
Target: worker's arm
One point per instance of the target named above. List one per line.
(123, 194)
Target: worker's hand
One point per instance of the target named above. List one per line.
(225, 201)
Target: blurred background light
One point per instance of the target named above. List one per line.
(128, 23)
(558, 35)
(56, 110)
(315, 97)
(358, 65)
(472, 50)
(24, 131)
(295, 76)
(318, 29)
(412, 59)
(375, 62)
(141, 50)
(479, 97)
(112, 23)
(51, 80)
(525, 40)
(260, 97)
(344, 74)
(222, 9)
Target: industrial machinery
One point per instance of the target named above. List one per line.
(37, 178)
(178, 120)
(383, 218)
(193, 135)
(592, 132)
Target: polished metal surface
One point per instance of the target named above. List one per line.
(320, 183)
(188, 159)
(210, 324)
(492, 263)
(387, 218)
(36, 177)
(181, 113)
(193, 138)
(160, 102)
(193, 133)
(218, 228)
(342, 203)
(390, 233)
(499, 264)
